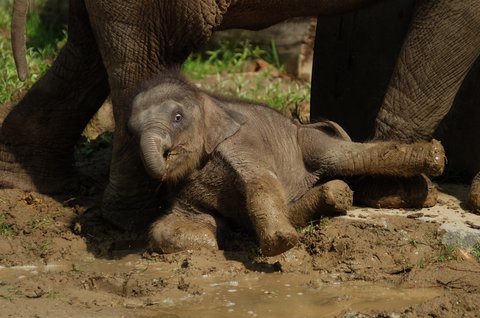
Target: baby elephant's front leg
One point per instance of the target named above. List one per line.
(267, 209)
(181, 230)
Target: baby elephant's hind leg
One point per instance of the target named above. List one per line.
(332, 196)
(180, 230)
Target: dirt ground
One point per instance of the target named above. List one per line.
(58, 258)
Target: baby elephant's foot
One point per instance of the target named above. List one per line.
(474, 199)
(336, 196)
(395, 192)
(176, 232)
(333, 196)
(277, 240)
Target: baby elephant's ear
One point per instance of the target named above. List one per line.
(220, 123)
(330, 128)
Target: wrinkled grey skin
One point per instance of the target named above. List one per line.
(115, 45)
(244, 162)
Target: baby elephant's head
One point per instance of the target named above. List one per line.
(176, 125)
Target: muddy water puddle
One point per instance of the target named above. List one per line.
(275, 298)
(226, 294)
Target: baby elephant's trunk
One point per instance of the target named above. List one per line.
(154, 149)
(386, 158)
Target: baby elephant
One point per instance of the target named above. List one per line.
(228, 159)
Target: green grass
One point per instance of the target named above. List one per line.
(231, 70)
(5, 228)
(42, 48)
(86, 148)
(449, 253)
(228, 58)
(476, 251)
(39, 223)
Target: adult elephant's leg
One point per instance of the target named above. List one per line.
(474, 199)
(333, 196)
(258, 14)
(138, 40)
(440, 48)
(39, 134)
(354, 57)
(460, 135)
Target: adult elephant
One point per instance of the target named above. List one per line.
(115, 45)
(430, 59)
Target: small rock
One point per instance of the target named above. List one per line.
(415, 215)
(473, 225)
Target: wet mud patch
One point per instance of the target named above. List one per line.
(382, 248)
(59, 258)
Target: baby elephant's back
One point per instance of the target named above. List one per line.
(269, 139)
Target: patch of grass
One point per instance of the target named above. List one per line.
(76, 268)
(39, 223)
(255, 255)
(231, 70)
(279, 96)
(449, 253)
(86, 148)
(228, 58)
(308, 230)
(265, 86)
(476, 251)
(11, 293)
(313, 226)
(42, 249)
(53, 294)
(5, 228)
(42, 48)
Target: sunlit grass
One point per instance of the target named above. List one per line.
(42, 48)
(231, 70)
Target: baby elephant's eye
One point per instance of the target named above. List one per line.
(178, 118)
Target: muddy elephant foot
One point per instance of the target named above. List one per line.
(333, 196)
(474, 196)
(391, 192)
(178, 231)
(336, 196)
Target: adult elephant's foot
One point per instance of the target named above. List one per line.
(392, 192)
(474, 196)
(39, 134)
(34, 169)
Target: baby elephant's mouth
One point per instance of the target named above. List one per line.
(169, 155)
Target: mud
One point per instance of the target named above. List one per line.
(59, 258)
